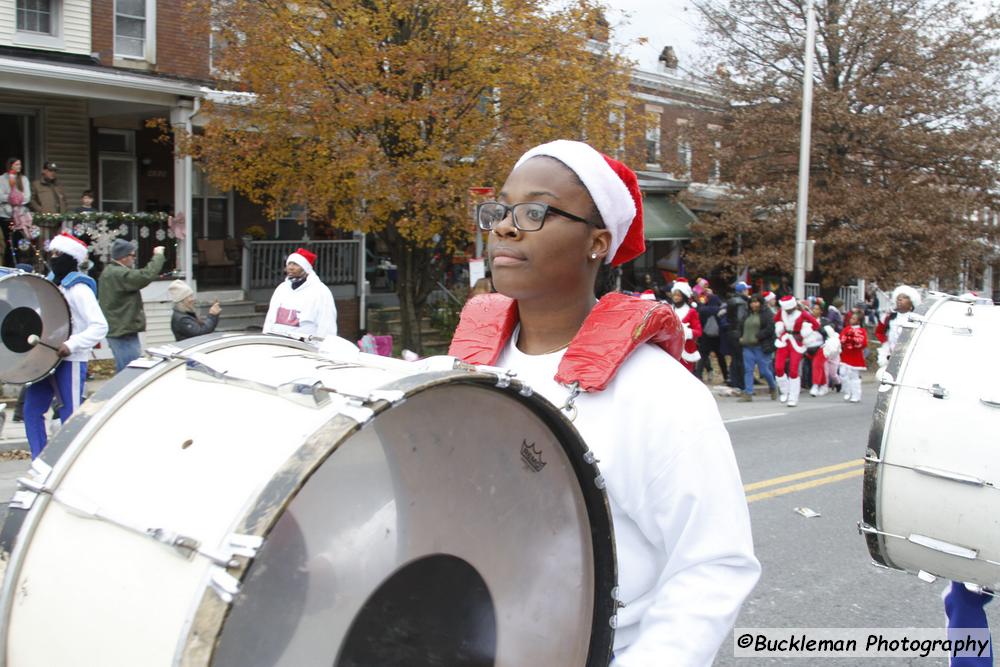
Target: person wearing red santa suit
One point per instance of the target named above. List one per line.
(671, 477)
(302, 306)
(853, 341)
(905, 299)
(791, 325)
(680, 295)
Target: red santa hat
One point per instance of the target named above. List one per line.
(68, 244)
(788, 302)
(614, 189)
(681, 285)
(768, 296)
(303, 258)
(648, 295)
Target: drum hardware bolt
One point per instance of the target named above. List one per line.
(589, 457)
(599, 482)
(187, 443)
(526, 390)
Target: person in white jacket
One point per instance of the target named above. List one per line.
(302, 306)
(88, 327)
(681, 524)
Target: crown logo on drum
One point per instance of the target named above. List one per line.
(532, 456)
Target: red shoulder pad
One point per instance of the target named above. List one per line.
(613, 330)
(485, 326)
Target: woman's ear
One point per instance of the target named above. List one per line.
(600, 244)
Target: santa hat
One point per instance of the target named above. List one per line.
(788, 302)
(614, 189)
(68, 244)
(681, 285)
(907, 291)
(303, 258)
(768, 296)
(648, 295)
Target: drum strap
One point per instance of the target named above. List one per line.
(613, 330)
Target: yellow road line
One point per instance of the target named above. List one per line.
(780, 491)
(800, 475)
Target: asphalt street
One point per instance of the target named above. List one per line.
(816, 571)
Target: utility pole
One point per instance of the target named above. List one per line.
(802, 210)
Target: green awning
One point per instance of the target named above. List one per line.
(665, 219)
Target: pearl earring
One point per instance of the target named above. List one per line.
(593, 255)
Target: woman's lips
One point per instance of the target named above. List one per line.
(505, 257)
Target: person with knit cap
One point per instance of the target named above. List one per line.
(302, 306)
(120, 298)
(853, 341)
(184, 321)
(791, 326)
(564, 214)
(88, 327)
(680, 296)
(905, 299)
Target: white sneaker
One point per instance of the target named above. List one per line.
(823, 391)
(791, 404)
(855, 400)
(782, 397)
(847, 396)
(814, 390)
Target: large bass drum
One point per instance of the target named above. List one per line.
(932, 470)
(247, 500)
(30, 305)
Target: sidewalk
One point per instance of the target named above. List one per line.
(12, 435)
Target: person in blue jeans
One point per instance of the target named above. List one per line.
(757, 343)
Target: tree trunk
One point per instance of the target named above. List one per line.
(413, 286)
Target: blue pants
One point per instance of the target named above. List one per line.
(754, 355)
(68, 378)
(125, 349)
(964, 609)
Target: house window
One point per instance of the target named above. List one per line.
(132, 19)
(117, 178)
(653, 123)
(36, 16)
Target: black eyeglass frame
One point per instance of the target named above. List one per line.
(512, 210)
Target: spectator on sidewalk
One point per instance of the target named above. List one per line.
(86, 203)
(121, 300)
(710, 342)
(302, 306)
(184, 320)
(15, 193)
(88, 325)
(737, 309)
(757, 343)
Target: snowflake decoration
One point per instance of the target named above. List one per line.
(36, 232)
(101, 239)
(160, 235)
(122, 230)
(24, 245)
(170, 233)
(144, 231)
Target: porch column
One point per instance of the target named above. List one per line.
(180, 121)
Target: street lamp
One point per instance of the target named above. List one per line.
(799, 283)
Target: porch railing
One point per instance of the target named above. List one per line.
(264, 261)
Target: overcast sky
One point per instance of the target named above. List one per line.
(662, 23)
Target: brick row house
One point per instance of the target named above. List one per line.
(79, 80)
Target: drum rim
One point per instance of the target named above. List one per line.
(69, 319)
(209, 617)
(885, 406)
(66, 445)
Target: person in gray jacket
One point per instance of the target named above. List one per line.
(184, 321)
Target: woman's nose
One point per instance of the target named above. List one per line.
(505, 227)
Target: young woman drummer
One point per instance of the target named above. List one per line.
(682, 529)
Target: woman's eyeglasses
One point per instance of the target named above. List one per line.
(528, 216)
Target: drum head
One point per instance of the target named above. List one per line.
(454, 529)
(30, 305)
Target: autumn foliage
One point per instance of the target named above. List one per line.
(379, 115)
(905, 136)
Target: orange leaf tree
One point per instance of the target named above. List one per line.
(905, 134)
(380, 114)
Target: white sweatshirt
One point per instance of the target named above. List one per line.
(682, 528)
(88, 323)
(303, 312)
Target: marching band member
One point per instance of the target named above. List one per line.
(564, 211)
(680, 296)
(791, 325)
(906, 299)
(853, 341)
(302, 305)
(88, 326)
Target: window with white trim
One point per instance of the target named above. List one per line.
(134, 29)
(38, 16)
(653, 123)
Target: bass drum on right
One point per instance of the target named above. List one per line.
(932, 469)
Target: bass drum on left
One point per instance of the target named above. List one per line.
(30, 306)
